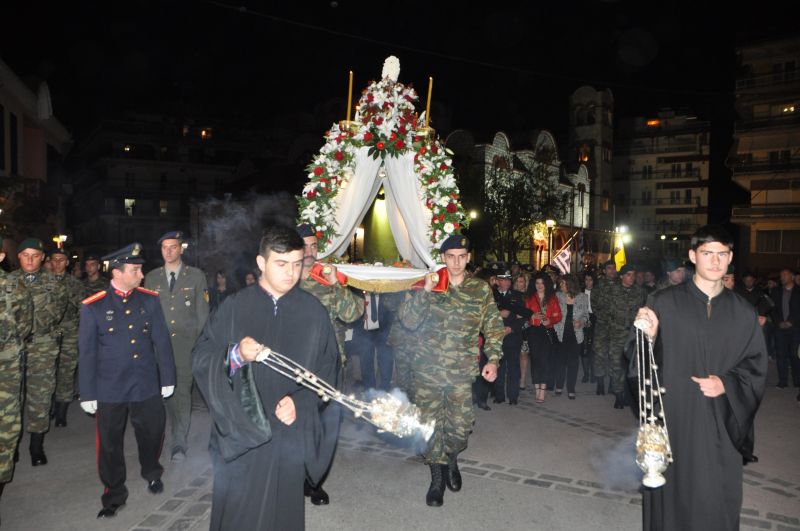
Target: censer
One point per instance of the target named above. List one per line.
(386, 412)
(653, 451)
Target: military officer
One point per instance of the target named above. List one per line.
(16, 323)
(126, 368)
(183, 293)
(50, 300)
(447, 325)
(94, 281)
(68, 355)
(343, 307)
(515, 314)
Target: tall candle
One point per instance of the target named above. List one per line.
(349, 95)
(428, 108)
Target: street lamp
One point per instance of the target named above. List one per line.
(550, 224)
(473, 214)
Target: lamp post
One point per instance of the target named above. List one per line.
(550, 224)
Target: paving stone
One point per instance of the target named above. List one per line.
(473, 471)
(492, 466)
(748, 472)
(608, 496)
(208, 472)
(505, 477)
(749, 481)
(749, 512)
(198, 509)
(468, 461)
(368, 449)
(185, 493)
(154, 520)
(752, 522)
(592, 484)
(141, 529)
(636, 501)
(780, 482)
(198, 482)
(551, 477)
(521, 472)
(170, 506)
(206, 497)
(574, 425)
(780, 491)
(781, 527)
(182, 524)
(538, 483)
(783, 519)
(572, 490)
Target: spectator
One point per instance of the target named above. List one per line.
(521, 284)
(587, 354)
(574, 306)
(220, 290)
(543, 303)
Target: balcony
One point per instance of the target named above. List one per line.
(756, 167)
(782, 80)
(775, 210)
(784, 120)
(661, 201)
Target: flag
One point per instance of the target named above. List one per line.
(619, 257)
(579, 252)
(562, 260)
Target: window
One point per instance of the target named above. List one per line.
(674, 197)
(163, 207)
(581, 191)
(647, 196)
(14, 143)
(689, 169)
(687, 197)
(606, 154)
(778, 241)
(605, 204)
(130, 206)
(676, 170)
(130, 179)
(647, 172)
(2, 139)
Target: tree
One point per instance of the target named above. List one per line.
(519, 195)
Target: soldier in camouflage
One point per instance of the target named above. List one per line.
(68, 355)
(343, 307)
(608, 274)
(404, 344)
(50, 299)
(447, 327)
(615, 306)
(94, 281)
(16, 323)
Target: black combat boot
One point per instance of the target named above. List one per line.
(452, 474)
(317, 494)
(619, 401)
(435, 496)
(601, 388)
(37, 449)
(61, 414)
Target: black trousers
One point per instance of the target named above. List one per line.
(148, 419)
(540, 348)
(786, 342)
(509, 366)
(480, 387)
(567, 357)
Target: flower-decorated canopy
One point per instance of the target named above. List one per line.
(389, 145)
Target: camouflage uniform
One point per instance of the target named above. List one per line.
(342, 304)
(404, 345)
(93, 286)
(50, 300)
(615, 307)
(446, 363)
(16, 323)
(186, 309)
(68, 356)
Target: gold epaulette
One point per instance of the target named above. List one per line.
(96, 297)
(148, 291)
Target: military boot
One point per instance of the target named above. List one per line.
(435, 496)
(601, 388)
(452, 474)
(37, 449)
(61, 414)
(619, 402)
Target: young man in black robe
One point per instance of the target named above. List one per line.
(714, 363)
(268, 431)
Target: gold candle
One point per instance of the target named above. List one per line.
(428, 108)
(349, 96)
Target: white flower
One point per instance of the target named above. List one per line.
(449, 228)
(391, 68)
(444, 201)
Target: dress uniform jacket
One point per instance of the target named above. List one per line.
(125, 349)
(185, 307)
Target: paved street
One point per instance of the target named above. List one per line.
(561, 465)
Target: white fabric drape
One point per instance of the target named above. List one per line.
(408, 217)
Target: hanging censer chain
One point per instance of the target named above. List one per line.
(653, 451)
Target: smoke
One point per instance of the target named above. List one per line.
(230, 230)
(615, 462)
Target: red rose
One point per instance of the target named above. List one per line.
(319, 235)
(402, 130)
(370, 97)
(452, 208)
(443, 166)
(318, 171)
(393, 136)
(367, 137)
(380, 145)
(428, 203)
(399, 144)
(430, 180)
(423, 150)
(456, 226)
(434, 149)
(339, 155)
(311, 195)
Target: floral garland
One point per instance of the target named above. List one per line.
(387, 125)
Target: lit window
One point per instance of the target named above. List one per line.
(126, 148)
(130, 205)
(788, 109)
(605, 204)
(653, 123)
(163, 207)
(205, 134)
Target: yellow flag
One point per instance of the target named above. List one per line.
(619, 257)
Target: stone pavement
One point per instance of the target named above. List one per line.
(565, 464)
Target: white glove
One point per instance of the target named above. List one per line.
(167, 391)
(90, 406)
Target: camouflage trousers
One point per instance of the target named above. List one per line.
(451, 406)
(67, 363)
(609, 346)
(40, 382)
(10, 421)
(404, 376)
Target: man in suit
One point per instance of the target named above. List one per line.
(126, 368)
(183, 293)
(511, 304)
(786, 316)
(370, 339)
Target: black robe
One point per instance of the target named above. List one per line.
(708, 435)
(259, 462)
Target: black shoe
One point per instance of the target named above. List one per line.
(601, 388)
(484, 406)
(60, 409)
(37, 449)
(435, 496)
(110, 511)
(585, 379)
(558, 392)
(155, 486)
(571, 396)
(746, 459)
(619, 402)
(498, 401)
(452, 474)
(317, 494)
(513, 402)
